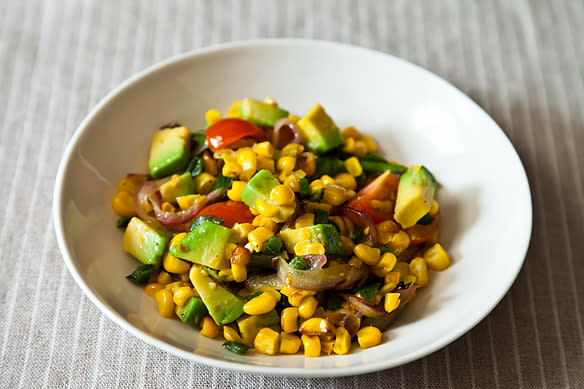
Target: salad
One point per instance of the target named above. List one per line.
(279, 232)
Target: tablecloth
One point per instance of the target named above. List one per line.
(522, 61)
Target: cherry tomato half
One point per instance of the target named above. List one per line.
(226, 132)
(230, 211)
(383, 188)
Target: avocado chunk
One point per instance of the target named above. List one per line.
(177, 186)
(146, 241)
(325, 234)
(192, 312)
(414, 196)
(205, 245)
(223, 306)
(259, 187)
(249, 326)
(261, 113)
(319, 131)
(170, 151)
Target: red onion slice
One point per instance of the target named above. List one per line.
(343, 317)
(360, 218)
(257, 282)
(315, 261)
(362, 306)
(282, 125)
(175, 218)
(142, 197)
(384, 321)
(336, 276)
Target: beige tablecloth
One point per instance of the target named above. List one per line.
(520, 60)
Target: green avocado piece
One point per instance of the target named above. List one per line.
(259, 187)
(146, 241)
(192, 312)
(249, 326)
(223, 306)
(414, 196)
(170, 151)
(325, 234)
(319, 131)
(205, 245)
(177, 186)
(261, 113)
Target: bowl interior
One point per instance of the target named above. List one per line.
(415, 117)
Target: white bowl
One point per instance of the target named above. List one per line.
(416, 118)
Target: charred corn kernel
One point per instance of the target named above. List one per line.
(334, 195)
(225, 275)
(239, 272)
(286, 163)
(328, 180)
(292, 183)
(152, 288)
(353, 166)
(391, 281)
(259, 305)
(397, 242)
(355, 262)
(292, 149)
(231, 169)
(181, 295)
(267, 341)
(340, 222)
(391, 302)
(304, 220)
(164, 278)
(282, 195)
(346, 180)
(289, 343)
(204, 182)
(342, 341)
(263, 149)
(240, 255)
(317, 326)
(265, 208)
(370, 143)
(327, 344)
(369, 336)
(164, 302)
(249, 164)
(294, 295)
(185, 202)
(369, 255)
(437, 258)
(123, 204)
(175, 265)
(258, 237)
(349, 145)
(234, 110)
(419, 269)
(262, 221)
(305, 248)
(434, 208)
(210, 164)
(349, 225)
(231, 335)
(266, 163)
(168, 207)
(242, 231)
(209, 328)
(351, 132)
(387, 226)
(307, 307)
(289, 319)
(311, 346)
(229, 247)
(385, 265)
(236, 189)
(212, 116)
(360, 149)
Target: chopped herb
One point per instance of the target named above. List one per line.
(361, 181)
(123, 221)
(373, 158)
(368, 292)
(426, 219)
(223, 183)
(141, 275)
(195, 167)
(384, 250)
(357, 234)
(304, 188)
(298, 263)
(236, 347)
(273, 246)
(198, 136)
(402, 285)
(329, 165)
(360, 283)
(333, 301)
(320, 216)
(253, 295)
(374, 163)
(316, 195)
(282, 304)
(203, 219)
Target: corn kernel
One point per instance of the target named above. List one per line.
(307, 307)
(437, 258)
(369, 336)
(304, 220)
(289, 343)
(293, 118)
(289, 319)
(265, 208)
(360, 149)
(187, 201)
(403, 268)
(391, 302)
(387, 226)
(385, 265)
(184, 277)
(282, 195)
(234, 110)
(295, 296)
(369, 255)
(242, 231)
(175, 265)
(292, 150)
(286, 163)
(262, 221)
(236, 189)
(396, 242)
(340, 222)
(348, 244)
(182, 295)
(355, 262)
(311, 346)
(152, 288)
(230, 334)
(334, 195)
(349, 145)
(349, 226)
(317, 326)
(209, 328)
(292, 183)
(132, 183)
(419, 269)
(263, 149)
(342, 341)
(316, 185)
(327, 344)
(204, 182)
(240, 256)
(346, 180)
(259, 305)
(164, 302)
(434, 208)
(212, 116)
(164, 278)
(249, 164)
(307, 163)
(167, 207)
(225, 275)
(123, 204)
(305, 248)
(267, 341)
(239, 272)
(353, 166)
(370, 143)
(266, 163)
(328, 180)
(258, 237)
(210, 164)
(231, 169)
(351, 132)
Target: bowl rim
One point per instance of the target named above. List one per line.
(105, 308)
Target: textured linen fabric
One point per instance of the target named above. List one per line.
(522, 61)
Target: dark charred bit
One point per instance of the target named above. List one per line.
(172, 124)
(401, 285)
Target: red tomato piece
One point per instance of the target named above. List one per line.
(226, 132)
(383, 188)
(230, 211)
